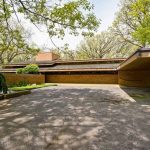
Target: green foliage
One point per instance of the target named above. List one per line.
(104, 45)
(142, 34)
(71, 15)
(31, 69)
(30, 87)
(65, 53)
(140, 9)
(19, 70)
(22, 83)
(19, 84)
(3, 85)
(75, 17)
(14, 45)
(133, 22)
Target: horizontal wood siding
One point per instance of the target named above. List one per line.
(12, 78)
(88, 79)
(134, 78)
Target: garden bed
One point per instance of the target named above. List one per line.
(30, 87)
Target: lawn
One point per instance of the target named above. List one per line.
(30, 87)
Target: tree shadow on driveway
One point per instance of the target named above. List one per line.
(74, 118)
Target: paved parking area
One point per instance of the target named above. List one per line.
(77, 117)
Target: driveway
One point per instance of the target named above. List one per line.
(77, 117)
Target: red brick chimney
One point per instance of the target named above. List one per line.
(46, 56)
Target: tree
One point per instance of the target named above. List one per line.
(104, 45)
(95, 47)
(65, 53)
(132, 22)
(13, 44)
(140, 10)
(28, 54)
(56, 15)
(121, 48)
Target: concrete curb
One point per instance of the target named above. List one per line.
(16, 94)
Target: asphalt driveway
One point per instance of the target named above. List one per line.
(77, 117)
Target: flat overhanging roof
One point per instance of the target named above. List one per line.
(140, 60)
(65, 70)
(66, 62)
(79, 70)
(71, 66)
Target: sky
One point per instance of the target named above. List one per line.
(104, 10)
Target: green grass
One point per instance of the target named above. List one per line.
(30, 87)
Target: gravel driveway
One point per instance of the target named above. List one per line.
(77, 117)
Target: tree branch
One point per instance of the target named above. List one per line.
(46, 18)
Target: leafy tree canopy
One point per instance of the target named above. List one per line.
(133, 22)
(57, 15)
(13, 44)
(104, 45)
(140, 10)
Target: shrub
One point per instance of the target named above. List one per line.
(19, 71)
(22, 83)
(19, 84)
(3, 85)
(31, 69)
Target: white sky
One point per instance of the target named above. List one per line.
(104, 10)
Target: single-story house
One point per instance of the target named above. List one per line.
(133, 71)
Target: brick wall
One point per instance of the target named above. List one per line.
(89, 78)
(134, 78)
(29, 78)
(46, 56)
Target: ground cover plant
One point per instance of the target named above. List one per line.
(31, 86)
